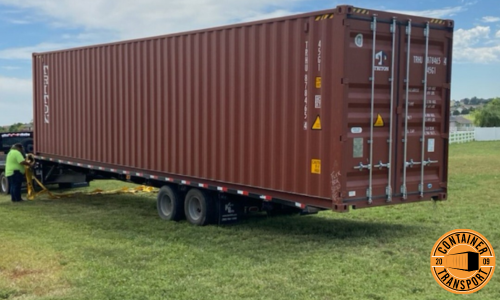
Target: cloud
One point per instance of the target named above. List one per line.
(19, 21)
(132, 19)
(15, 100)
(469, 46)
(26, 52)
(466, 38)
(478, 54)
(498, 34)
(441, 13)
(274, 14)
(11, 67)
(489, 19)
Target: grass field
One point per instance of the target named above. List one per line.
(469, 117)
(115, 247)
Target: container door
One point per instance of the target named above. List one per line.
(398, 81)
(424, 87)
(371, 56)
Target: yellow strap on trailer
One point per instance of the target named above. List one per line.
(32, 194)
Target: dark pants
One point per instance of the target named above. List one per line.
(15, 182)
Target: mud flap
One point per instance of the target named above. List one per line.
(229, 210)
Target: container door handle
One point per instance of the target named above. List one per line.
(382, 165)
(361, 167)
(428, 162)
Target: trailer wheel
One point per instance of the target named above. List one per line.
(4, 183)
(198, 207)
(169, 204)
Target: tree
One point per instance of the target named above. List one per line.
(456, 113)
(489, 115)
(15, 127)
(465, 111)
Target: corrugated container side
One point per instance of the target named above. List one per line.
(241, 105)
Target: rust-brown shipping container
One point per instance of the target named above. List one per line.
(333, 109)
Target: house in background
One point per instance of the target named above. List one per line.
(459, 123)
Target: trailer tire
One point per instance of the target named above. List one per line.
(169, 204)
(198, 207)
(4, 183)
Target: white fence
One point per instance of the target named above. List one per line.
(479, 134)
(461, 137)
(487, 134)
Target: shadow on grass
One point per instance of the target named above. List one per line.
(329, 228)
(136, 215)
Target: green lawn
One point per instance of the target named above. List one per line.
(115, 247)
(469, 117)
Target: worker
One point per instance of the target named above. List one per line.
(14, 171)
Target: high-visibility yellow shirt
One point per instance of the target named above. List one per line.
(13, 162)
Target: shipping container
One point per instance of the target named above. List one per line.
(466, 261)
(334, 109)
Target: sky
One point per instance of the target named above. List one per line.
(29, 26)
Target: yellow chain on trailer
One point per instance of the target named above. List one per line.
(32, 194)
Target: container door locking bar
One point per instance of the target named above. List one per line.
(424, 108)
(388, 190)
(405, 141)
(372, 109)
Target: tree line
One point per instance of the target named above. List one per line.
(488, 115)
(15, 127)
(476, 101)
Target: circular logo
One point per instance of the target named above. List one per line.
(462, 261)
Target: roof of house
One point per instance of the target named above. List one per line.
(460, 120)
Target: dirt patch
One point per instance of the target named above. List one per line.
(19, 273)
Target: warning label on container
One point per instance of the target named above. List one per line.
(318, 82)
(379, 122)
(317, 124)
(316, 166)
